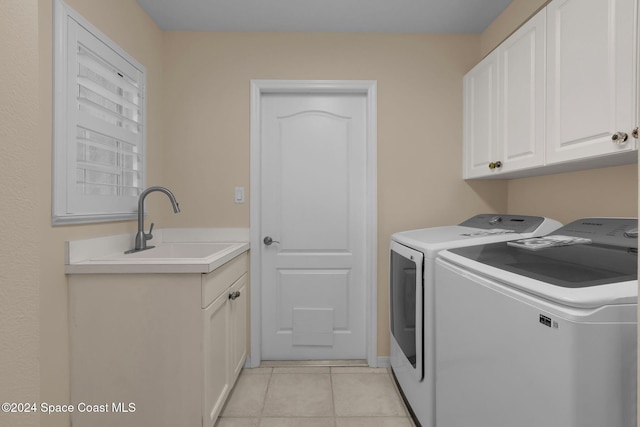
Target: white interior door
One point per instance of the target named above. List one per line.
(313, 206)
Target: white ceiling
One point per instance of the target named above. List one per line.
(381, 16)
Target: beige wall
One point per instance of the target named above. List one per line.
(419, 114)
(509, 20)
(611, 192)
(419, 79)
(128, 26)
(19, 281)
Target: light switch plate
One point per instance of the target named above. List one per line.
(239, 195)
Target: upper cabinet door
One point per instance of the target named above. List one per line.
(480, 117)
(521, 105)
(591, 87)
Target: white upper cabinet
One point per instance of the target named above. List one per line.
(504, 105)
(591, 92)
(521, 110)
(481, 117)
(559, 94)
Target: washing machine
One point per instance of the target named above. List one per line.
(412, 257)
(540, 332)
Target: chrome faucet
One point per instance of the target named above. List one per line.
(141, 236)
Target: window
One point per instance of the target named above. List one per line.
(99, 124)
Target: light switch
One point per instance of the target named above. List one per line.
(239, 195)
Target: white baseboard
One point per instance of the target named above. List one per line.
(382, 362)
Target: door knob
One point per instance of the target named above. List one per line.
(268, 241)
(495, 165)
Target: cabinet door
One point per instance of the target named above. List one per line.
(521, 103)
(480, 117)
(216, 358)
(238, 326)
(591, 92)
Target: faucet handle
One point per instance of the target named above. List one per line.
(149, 235)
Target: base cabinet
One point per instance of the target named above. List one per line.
(153, 350)
(238, 326)
(217, 382)
(225, 345)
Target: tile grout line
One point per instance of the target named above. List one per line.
(264, 400)
(333, 398)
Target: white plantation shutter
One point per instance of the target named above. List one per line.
(99, 121)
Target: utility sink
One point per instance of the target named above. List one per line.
(179, 250)
(165, 257)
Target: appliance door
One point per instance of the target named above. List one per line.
(406, 304)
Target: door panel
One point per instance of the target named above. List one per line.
(313, 162)
(321, 288)
(314, 165)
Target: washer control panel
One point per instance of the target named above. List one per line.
(606, 231)
(507, 223)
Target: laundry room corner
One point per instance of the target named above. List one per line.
(598, 192)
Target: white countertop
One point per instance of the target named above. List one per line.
(187, 250)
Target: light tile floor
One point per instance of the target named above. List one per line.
(315, 397)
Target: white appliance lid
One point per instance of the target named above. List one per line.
(483, 228)
(577, 266)
(580, 275)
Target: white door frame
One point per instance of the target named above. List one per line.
(364, 87)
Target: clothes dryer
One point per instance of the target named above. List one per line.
(412, 262)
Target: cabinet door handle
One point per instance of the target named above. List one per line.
(234, 295)
(619, 137)
(495, 165)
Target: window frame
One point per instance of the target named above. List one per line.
(68, 205)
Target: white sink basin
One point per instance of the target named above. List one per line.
(188, 250)
(179, 251)
(166, 257)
